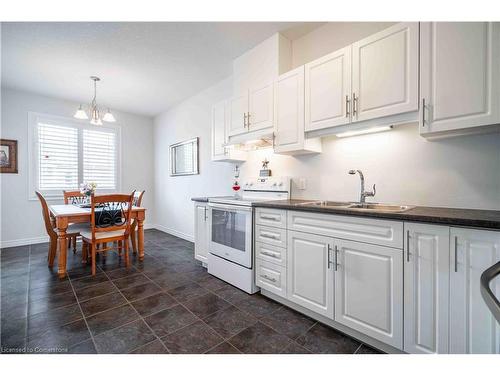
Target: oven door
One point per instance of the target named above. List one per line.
(230, 232)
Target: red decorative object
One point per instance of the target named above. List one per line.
(236, 186)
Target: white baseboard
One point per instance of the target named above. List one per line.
(41, 239)
(174, 232)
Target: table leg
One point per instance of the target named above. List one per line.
(62, 239)
(140, 237)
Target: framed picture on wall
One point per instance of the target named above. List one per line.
(8, 156)
(184, 158)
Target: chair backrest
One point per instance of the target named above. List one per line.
(46, 215)
(138, 198)
(75, 197)
(111, 212)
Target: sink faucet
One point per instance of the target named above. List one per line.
(363, 194)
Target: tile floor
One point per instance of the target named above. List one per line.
(166, 304)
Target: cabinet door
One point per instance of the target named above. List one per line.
(289, 111)
(459, 75)
(426, 288)
(369, 290)
(219, 131)
(327, 90)
(201, 233)
(473, 328)
(385, 73)
(310, 272)
(237, 111)
(260, 107)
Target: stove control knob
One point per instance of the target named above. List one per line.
(275, 184)
(280, 184)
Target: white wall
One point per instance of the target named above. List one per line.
(190, 119)
(21, 218)
(457, 172)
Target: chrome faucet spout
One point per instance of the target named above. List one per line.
(363, 194)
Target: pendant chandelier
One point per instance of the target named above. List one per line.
(95, 117)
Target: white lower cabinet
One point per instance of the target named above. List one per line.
(310, 272)
(426, 288)
(369, 290)
(271, 277)
(201, 229)
(473, 329)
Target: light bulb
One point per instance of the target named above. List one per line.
(108, 116)
(80, 114)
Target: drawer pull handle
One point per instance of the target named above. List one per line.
(456, 254)
(272, 279)
(269, 254)
(269, 236)
(336, 258)
(269, 218)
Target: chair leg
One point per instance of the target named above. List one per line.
(74, 245)
(52, 251)
(127, 260)
(93, 248)
(84, 252)
(133, 239)
(120, 247)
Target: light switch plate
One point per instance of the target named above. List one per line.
(302, 183)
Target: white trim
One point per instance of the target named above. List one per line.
(185, 236)
(32, 121)
(42, 239)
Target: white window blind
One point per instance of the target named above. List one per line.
(66, 154)
(99, 158)
(58, 157)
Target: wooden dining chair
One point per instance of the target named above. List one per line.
(110, 220)
(133, 227)
(74, 197)
(71, 232)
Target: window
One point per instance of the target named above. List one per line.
(65, 153)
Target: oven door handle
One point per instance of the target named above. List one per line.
(230, 207)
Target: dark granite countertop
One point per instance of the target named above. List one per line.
(200, 199)
(487, 219)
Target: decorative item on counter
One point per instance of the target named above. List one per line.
(265, 171)
(88, 188)
(236, 186)
(236, 171)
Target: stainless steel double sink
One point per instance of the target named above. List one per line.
(374, 207)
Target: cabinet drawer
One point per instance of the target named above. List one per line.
(375, 231)
(271, 277)
(271, 217)
(270, 253)
(270, 235)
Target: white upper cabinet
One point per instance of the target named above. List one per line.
(369, 290)
(237, 112)
(473, 328)
(459, 76)
(328, 90)
(310, 272)
(260, 107)
(426, 288)
(289, 115)
(220, 137)
(385, 73)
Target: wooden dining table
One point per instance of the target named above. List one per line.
(64, 214)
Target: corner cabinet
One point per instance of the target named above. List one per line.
(289, 116)
(219, 136)
(201, 232)
(459, 77)
(310, 272)
(426, 288)
(473, 328)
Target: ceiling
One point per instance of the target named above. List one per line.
(145, 67)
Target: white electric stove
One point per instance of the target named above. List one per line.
(230, 218)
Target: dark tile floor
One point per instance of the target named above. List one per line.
(167, 303)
